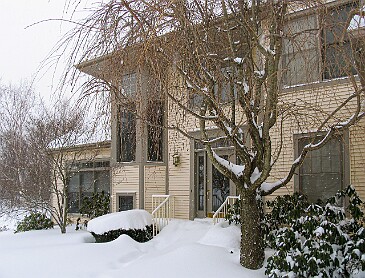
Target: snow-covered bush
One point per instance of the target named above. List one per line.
(34, 221)
(135, 223)
(322, 242)
(283, 209)
(140, 235)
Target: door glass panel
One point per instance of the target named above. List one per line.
(220, 187)
(200, 182)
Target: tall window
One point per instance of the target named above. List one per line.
(127, 120)
(155, 131)
(316, 46)
(322, 173)
(336, 47)
(127, 134)
(85, 179)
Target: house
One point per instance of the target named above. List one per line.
(83, 163)
(148, 160)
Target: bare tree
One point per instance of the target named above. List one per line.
(18, 175)
(221, 63)
(35, 151)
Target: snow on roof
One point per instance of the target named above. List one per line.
(85, 136)
(130, 219)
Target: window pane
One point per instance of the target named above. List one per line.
(87, 182)
(125, 202)
(300, 63)
(220, 187)
(73, 202)
(101, 164)
(155, 131)
(320, 176)
(201, 189)
(74, 183)
(102, 181)
(195, 100)
(128, 135)
(338, 60)
(129, 84)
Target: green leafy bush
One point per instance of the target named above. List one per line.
(34, 221)
(283, 209)
(313, 239)
(320, 241)
(140, 235)
(96, 205)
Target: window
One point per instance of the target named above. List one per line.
(322, 173)
(126, 201)
(155, 131)
(140, 138)
(336, 44)
(127, 134)
(129, 84)
(86, 178)
(316, 47)
(225, 83)
(300, 59)
(127, 120)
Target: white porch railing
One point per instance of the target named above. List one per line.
(222, 211)
(164, 211)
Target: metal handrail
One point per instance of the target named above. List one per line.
(163, 213)
(167, 197)
(223, 209)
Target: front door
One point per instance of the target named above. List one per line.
(211, 187)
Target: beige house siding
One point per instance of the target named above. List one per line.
(357, 158)
(315, 102)
(312, 102)
(181, 182)
(179, 176)
(154, 183)
(125, 179)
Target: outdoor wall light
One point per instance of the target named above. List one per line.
(176, 159)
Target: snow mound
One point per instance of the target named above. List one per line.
(130, 219)
(223, 235)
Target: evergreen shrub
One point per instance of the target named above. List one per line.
(321, 241)
(140, 235)
(34, 221)
(313, 240)
(96, 205)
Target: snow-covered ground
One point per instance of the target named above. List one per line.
(183, 249)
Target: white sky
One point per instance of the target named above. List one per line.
(22, 49)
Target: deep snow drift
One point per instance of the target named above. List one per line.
(129, 219)
(183, 249)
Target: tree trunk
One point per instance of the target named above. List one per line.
(252, 244)
(64, 213)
